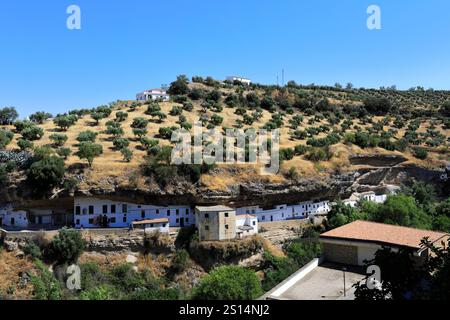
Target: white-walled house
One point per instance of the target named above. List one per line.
(246, 225)
(152, 95)
(11, 218)
(161, 225)
(102, 213)
(301, 210)
(371, 196)
(239, 79)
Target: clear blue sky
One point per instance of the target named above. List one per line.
(127, 46)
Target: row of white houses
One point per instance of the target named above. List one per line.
(101, 213)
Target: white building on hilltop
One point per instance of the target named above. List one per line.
(152, 95)
(102, 213)
(245, 81)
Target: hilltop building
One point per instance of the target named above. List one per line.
(153, 95)
(242, 80)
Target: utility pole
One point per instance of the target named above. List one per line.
(345, 290)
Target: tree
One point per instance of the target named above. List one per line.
(87, 136)
(342, 214)
(64, 122)
(127, 154)
(401, 210)
(404, 279)
(8, 115)
(6, 137)
(228, 283)
(121, 143)
(58, 139)
(32, 133)
(89, 151)
(139, 123)
(67, 246)
(121, 116)
(97, 116)
(379, 106)
(445, 109)
(40, 117)
(180, 86)
(46, 173)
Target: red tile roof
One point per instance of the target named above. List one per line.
(384, 234)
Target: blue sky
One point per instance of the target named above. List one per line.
(127, 46)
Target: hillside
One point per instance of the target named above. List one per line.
(321, 129)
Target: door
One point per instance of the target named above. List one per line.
(182, 222)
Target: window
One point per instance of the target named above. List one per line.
(91, 221)
(113, 220)
(151, 225)
(263, 218)
(85, 211)
(226, 227)
(207, 228)
(187, 220)
(77, 210)
(157, 211)
(206, 216)
(105, 209)
(187, 211)
(168, 213)
(113, 208)
(142, 213)
(177, 212)
(124, 208)
(13, 222)
(226, 214)
(124, 219)
(91, 209)
(78, 221)
(254, 223)
(178, 221)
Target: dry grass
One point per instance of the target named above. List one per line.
(111, 163)
(10, 268)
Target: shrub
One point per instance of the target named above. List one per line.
(180, 261)
(58, 139)
(176, 111)
(32, 133)
(139, 123)
(46, 173)
(121, 143)
(121, 116)
(318, 154)
(420, 153)
(87, 136)
(32, 250)
(67, 246)
(24, 145)
(6, 137)
(45, 285)
(8, 115)
(64, 122)
(228, 283)
(63, 152)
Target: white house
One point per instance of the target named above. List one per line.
(283, 212)
(161, 225)
(102, 213)
(246, 225)
(365, 196)
(11, 218)
(239, 79)
(153, 94)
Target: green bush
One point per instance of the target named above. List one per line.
(46, 173)
(24, 145)
(32, 133)
(228, 283)
(420, 153)
(87, 136)
(58, 139)
(67, 246)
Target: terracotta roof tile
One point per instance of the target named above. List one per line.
(384, 234)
